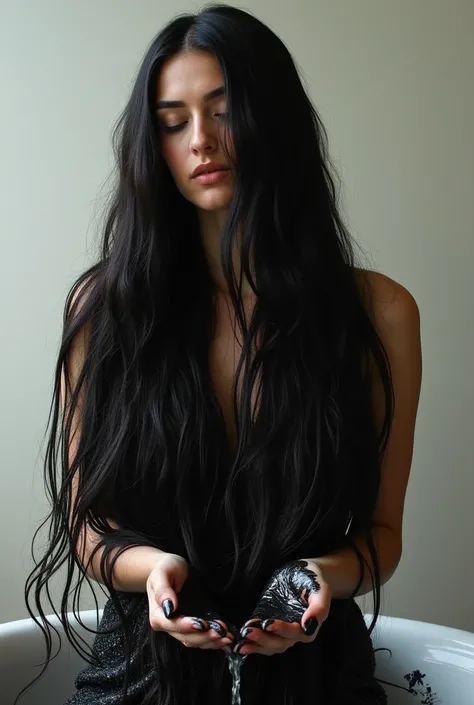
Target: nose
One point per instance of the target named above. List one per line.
(204, 137)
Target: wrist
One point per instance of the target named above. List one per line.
(339, 573)
(133, 567)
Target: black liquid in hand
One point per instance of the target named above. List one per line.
(285, 597)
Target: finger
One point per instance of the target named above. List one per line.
(286, 630)
(157, 619)
(218, 626)
(214, 630)
(164, 596)
(317, 611)
(245, 649)
(262, 640)
(194, 624)
(196, 638)
(197, 633)
(178, 624)
(201, 641)
(256, 622)
(187, 626)
(203, 625)
(224, 644)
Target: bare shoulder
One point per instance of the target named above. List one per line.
(79, 293)
(77, 326)
(392, 307)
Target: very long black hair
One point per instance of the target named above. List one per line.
(152, 433)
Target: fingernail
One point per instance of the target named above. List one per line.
(217, 627)
(199, 625)
(167, 607)
(245, 632)
(310, 626)
(239, 647)
(267, 623)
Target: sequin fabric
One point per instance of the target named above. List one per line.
(330, 671)
(103, 684)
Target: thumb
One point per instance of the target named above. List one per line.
(317, 610)
(164, 595)
(166, 581)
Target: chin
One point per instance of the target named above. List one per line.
(210, 208)
(214, 202)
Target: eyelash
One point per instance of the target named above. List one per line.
(177, 128)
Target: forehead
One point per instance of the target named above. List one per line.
(188, 76)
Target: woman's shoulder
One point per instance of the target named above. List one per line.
(81, 291)
(391, 305)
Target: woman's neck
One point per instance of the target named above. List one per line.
(211, 226)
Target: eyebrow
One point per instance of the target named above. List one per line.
(216, 93)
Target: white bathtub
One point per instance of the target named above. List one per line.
(440, 660)
(439, 657)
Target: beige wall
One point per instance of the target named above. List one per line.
(393, 82)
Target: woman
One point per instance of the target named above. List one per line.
(237, 396)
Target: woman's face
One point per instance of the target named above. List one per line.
(190, 107)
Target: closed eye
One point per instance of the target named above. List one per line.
(172, 128)
(176, 128)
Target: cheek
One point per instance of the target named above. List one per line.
(175, 159)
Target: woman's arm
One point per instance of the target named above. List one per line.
(396, 318)
(397, 321)
(134, 564)
(131, 568)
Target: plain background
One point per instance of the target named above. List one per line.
(392, 80)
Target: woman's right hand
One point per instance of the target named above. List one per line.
(163, 586)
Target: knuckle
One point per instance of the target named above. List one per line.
(180, 628)
(322, 614)
(155, 625)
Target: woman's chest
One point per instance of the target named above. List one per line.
(225, 353)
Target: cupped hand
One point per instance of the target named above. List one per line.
(164, 584)
(291, 609)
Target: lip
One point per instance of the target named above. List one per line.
(208, 167)
(212, 177)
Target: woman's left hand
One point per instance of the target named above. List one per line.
(275, 635)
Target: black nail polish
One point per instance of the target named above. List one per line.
(245, 631)
(200, 625)
(310, 626)
(240, 646)
(267, 623)
(167, 607)
(217, 627)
